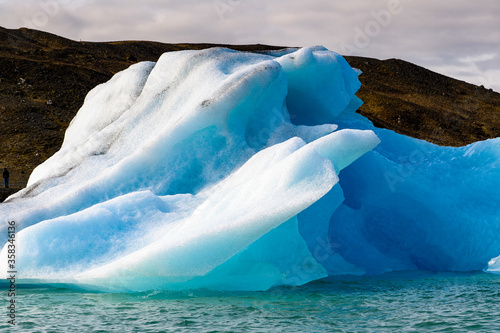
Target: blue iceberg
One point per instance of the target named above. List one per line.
(239, 171)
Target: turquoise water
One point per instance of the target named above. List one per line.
(397, 302)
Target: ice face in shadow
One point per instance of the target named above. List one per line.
(420, 206)
(227, 170)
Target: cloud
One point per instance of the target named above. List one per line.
(437, 35)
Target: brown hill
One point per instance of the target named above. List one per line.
(417, 102)
(44, 79)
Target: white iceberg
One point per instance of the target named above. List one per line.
(228, 170)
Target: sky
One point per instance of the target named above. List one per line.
(458, 38)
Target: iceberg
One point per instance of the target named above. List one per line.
(240, 171)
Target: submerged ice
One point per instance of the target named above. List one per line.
(238, 171)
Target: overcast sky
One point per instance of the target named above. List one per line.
(458, 38)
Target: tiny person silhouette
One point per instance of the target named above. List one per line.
(6, 177)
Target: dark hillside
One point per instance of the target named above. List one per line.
(423, 104)
(44, 79)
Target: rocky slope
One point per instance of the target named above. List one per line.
(414, 101)
(44, 79)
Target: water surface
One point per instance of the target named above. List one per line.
(396, 302)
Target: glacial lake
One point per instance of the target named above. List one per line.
(394, 302)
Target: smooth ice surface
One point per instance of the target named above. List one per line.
(236, 171)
